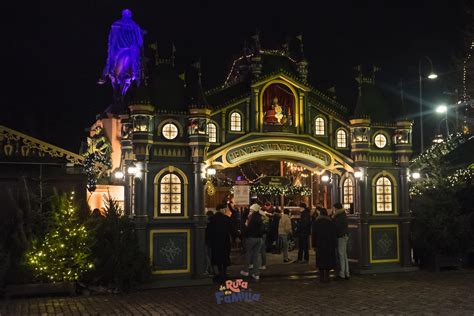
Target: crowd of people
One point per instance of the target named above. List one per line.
(262, 227)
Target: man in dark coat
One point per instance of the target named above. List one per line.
(219, 233)
(342, 229)
(304, 230)
(324, 241)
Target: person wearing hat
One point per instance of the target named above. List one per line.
(220, 231)
(342, 230)
(253, 231)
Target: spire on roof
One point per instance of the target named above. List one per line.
(154, 48)
(198, 99)
(372, 102)
(286, 47)
(256, 39)
(300, 39)
(173, 54)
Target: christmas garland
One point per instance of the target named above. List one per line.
(431, 165)
(280, 190)
(97, 158)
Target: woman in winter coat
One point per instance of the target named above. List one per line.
(220, 231)
(324, 240)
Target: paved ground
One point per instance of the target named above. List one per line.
(448, 293)
(275, 265)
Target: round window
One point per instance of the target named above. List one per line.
(380, 141)
(170, 131)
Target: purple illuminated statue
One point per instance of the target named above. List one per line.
(124, 55)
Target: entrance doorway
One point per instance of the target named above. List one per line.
(296, 184)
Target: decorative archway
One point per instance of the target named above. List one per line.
(312, 156)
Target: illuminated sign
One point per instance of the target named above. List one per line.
(275, 148)
(275, 181)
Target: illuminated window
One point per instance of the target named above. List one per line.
(319, 126)
(383, 195)
(341, 138)
(380, 140)
(170, 195)
(212, 132)
(347, 193)
(169, 131)
(235, 122)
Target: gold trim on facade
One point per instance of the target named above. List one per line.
(34, 143)
(156, 188)
(371, 247)
(188, 250)
(333, 164)
(298, 107)
(394, 194)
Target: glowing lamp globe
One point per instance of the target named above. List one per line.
(325, 178)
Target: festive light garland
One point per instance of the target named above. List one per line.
(280, 190)
(430, 164)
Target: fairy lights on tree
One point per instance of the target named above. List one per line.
(63, 254)
(431, 164)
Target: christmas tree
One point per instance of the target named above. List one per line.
(63, 254)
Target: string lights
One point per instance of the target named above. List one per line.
(63, 254)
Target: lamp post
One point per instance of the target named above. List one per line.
(444, 109)
(431, 76)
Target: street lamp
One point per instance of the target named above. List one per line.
(444, 109)
(416, 175)
(211, 171)
(359, 174)
(118, 174)
(432, 75)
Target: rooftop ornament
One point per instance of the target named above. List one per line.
(125, 49)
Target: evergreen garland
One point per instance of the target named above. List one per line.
(280, 190)
(432, 167)
(97, 158)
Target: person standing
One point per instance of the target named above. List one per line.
(220, 233)
(266, 230)
(209, 266)
(284, 229)
(304, 229)
(324, 240)
(342, 229)
(253, 231)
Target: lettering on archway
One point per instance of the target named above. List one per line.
(269, 148)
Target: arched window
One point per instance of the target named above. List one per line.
(341, 138)
(212, 132)
(348, 193)
(235, 122)
(319, 128)
(383, 195)
(171, 190)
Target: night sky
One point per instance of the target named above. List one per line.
(55, 57)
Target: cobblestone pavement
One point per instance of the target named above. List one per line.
(447, 293)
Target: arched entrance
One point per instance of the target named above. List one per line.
(312, 171)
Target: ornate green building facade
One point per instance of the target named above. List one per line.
(266, 109)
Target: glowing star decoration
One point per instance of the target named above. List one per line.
(124, 55)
